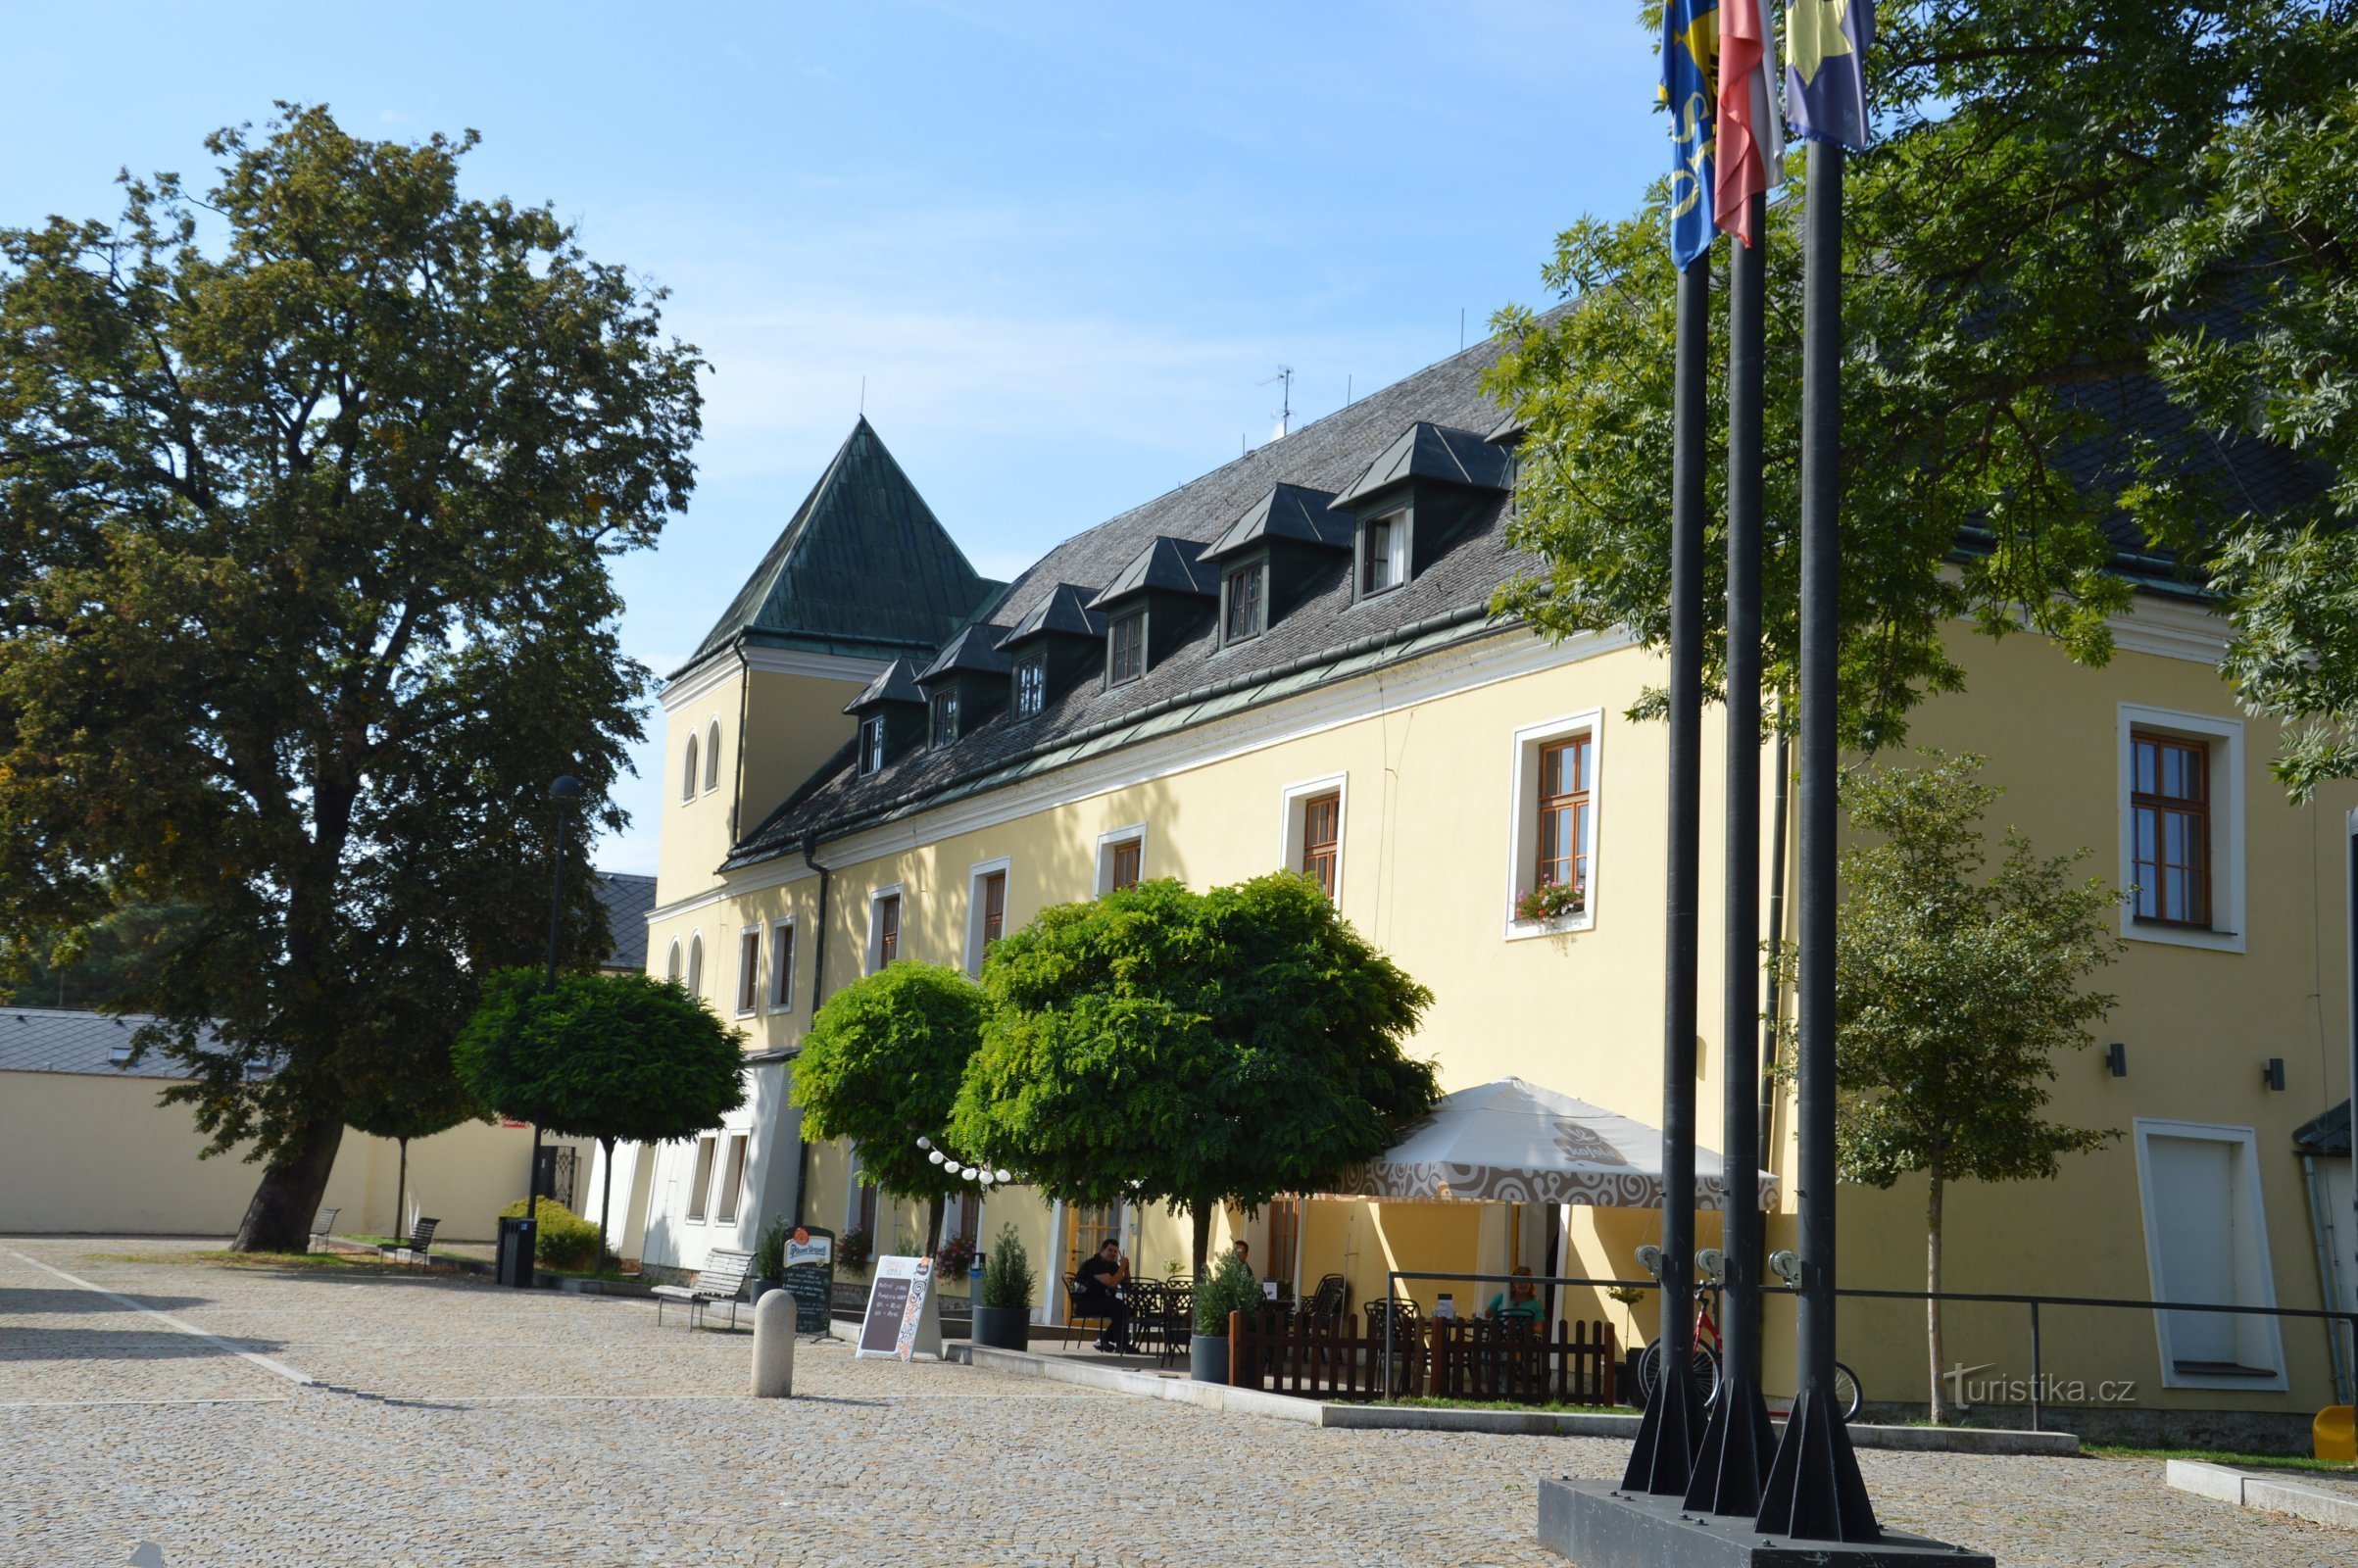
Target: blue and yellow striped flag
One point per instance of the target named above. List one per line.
(1690, 68)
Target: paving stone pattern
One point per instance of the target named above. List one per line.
(460, 1423)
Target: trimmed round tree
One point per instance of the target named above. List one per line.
(619, 1058)
(426, 1100)
(1163, 1046)
(881, 1066)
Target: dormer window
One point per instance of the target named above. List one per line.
(1126, 649)
(945, 719)
(871, 745)
(1384, 553)
(1031, 685)
(1246, 611)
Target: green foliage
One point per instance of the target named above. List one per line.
(770, 1253)
(1163, 1046)
(424, 1100)
(881, 1067)
(305, 511)
(1996, 318)
(854, 1247)
(103, 965)
(1006, 1277)
(1231, 1288)
(1954, 991)
(564, 1239)
(622, 1058)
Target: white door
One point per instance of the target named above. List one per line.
(2195, 1199)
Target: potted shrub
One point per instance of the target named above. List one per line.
(1003, 1310)
(769, 1259)
(1231, 1288)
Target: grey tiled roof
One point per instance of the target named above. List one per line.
(1065, 609)
(863, 567)
(1167, 563)
(1429, 451)
(628, 899)
(1324, 456)
(70, 1040)
(1287, 512)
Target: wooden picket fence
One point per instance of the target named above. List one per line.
(1343, 1358)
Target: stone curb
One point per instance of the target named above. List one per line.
(2267, 1493)
(1436, 1418)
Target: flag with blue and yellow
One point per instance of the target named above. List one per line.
(1826, 43)
(1690, 68)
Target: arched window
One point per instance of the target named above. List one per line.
(695, 964)
(712, 756)
(671, 966)
(687, 772)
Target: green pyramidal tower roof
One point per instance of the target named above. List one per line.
(863, 568)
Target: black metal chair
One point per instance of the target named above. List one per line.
(1406, 1335)
(1177, 1326)
(1075, 1314)
(416, 1248)
(1147, 1298)
(1330, 1301)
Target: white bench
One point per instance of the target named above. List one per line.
(721, 1279)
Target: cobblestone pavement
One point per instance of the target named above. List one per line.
(458, 1423)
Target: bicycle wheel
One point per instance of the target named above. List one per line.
(1846, 1393)
(1702, 1368)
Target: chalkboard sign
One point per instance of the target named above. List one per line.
(898, 1309)
(811, 1278)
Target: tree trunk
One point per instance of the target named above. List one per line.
(1931, 1303)
(1200, 1212)
(933, 1224)
(606, 1199)
(401, 1189)
(287, 1199)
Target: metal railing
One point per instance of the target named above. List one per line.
(2349, 1320)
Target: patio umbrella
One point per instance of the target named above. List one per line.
(1514, 1141)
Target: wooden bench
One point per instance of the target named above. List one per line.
(319, 1228)
(422, 1236)
(721, 1279)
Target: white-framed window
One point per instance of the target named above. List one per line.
(1311, 831)
(2206, 1240)
(871, 745)
(884, 927)
(696, 964)
(2181, 806)
(1552, 795)
(700, 1187)
(1031, 684)
(986, 910)
(1126, 648)
(1383, 552)
(729, 1181)
(781, 966)
(671, 963)
(712, 756)
(945, 717)
(688, 772)
(749, 970)
(1121, 857)
(1245, 605)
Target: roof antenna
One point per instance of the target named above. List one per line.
(1461, 330)
(1346, 391)
(863, 395)
(1285, 411)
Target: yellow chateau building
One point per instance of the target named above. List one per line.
(1290, 662)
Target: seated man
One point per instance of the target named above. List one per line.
(1100, 1276)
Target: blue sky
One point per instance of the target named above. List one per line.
(1063, 244)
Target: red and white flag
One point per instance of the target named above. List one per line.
(1751, 135)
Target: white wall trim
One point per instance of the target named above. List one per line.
(974, 906)
(2227, 847)
(2255, 1274)
(1522, 809)
(720, 668)
(2170, 628)
(751, 928)
(877, 895)
(1292, 827)
(781, 942)
(1107, 843)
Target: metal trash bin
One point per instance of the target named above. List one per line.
(519, 1238)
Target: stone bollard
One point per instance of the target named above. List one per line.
(773, 1346)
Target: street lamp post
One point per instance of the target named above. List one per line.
(564, 790)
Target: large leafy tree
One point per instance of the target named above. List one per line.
(881, 1066)
(418, 1100)
(1955, 989)
(2001, 350)
(307, 490)
(621, 1058)
(1163, 1046)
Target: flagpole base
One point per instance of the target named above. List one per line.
(1738, 1449)
(1814, 1491)
(1598, 1525)
(1661, 1462)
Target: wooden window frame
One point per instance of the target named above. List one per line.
(888, 930)
(1031, 685)
(781, 966)
(943, 714)
(871, 745)
(1578, 802)
(1127, 635)
(1392, 557)
(994, 908)
(1321, 857)
(1252, 574)
(2196, 807)
(1129, 859)
(749, 971)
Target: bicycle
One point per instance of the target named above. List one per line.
(1703, 1367)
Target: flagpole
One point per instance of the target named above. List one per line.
(1814, 1489)
(1662, 1461)
(1738, 1442)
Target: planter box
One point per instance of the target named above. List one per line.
(1207, 1358)
(1003, 1328)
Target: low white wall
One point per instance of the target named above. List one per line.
(82, 1153)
